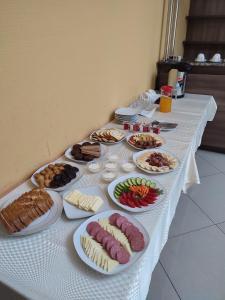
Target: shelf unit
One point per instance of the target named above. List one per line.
(206, 34)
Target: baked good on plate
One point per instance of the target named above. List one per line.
(145, 140)
(86, 151)
(25, 209)
(56, 175)
(108, 135)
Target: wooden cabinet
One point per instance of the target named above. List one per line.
(205, 29)
(210, 84)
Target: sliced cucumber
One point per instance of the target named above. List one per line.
(148, 183)
(138, 180)
(122, 185)
(126, 184)
(117, 194)
(143, 181)
(130, 181)
(153, 184)
(134, 181)
(119, 185)
(118, 190)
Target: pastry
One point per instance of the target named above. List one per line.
(25, 209)
(86, 151)
(110, 135)
(56, 175)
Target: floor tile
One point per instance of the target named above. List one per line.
(222, 227)
(195, 264)
(216, 159)
(160, 287)
(8, 294)
(204, 167)
(188, 217)
(209, 195)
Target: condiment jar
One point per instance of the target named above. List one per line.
(166, 98)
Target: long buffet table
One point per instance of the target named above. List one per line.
(46, 266)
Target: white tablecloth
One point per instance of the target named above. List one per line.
(45, 265)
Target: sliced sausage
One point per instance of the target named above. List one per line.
(122, 256)
(120, 220)
(113, 217)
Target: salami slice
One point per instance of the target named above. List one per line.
(100, 235)
(122, 256)
(113, 217)
(113, 251)
(94, 229)
(135, 233)
(124, 226)
(105, 240)
(92, 225)
(131, 230)
(110, 244)
(120, 220)
(137, 243)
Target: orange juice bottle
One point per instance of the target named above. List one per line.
(166, 99)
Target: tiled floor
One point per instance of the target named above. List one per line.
(192, 263)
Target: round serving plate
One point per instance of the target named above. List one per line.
(107, 143)
(44, 221)
(68, 154)
(138, 154)
(145, 133)
(112, 185)
(81, 231)
(62, 188)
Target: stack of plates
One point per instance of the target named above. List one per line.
(126, 114)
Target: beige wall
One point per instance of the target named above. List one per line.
(181, 28)
(184, 6)
(65, 66)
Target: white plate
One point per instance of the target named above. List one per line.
(138, 154)
(62, 188)
(68, 154)
(126, 111)
(108, 143)
(81, 230)
(73, 212)
(111, 188)
(43, 222)
(145, 133)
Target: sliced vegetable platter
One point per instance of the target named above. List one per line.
(136, 192)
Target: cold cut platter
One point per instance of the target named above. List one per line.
(111, 241)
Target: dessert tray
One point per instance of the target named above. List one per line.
(68, 153)
(65, 179)
(110, 242)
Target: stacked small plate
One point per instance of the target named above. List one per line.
(126, 114)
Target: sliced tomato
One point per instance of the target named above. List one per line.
(131, 203)
(149, 199)
(143, 202)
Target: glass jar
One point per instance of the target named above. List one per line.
(166, 99)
